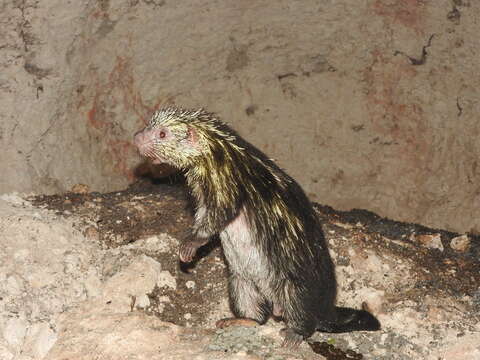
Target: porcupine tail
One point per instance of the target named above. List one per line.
(348, 319)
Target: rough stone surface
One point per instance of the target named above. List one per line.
(64, 295)
(46, 267)
(370, 104)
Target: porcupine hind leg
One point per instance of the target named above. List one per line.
(299, 327)
(299, 313)
(247, 303)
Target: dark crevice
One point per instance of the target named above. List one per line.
(459, 108)
(454, 16)
(283, 76)
(26, 39)
(423, 58)
(33, 69)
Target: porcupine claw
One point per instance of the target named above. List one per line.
(291, 339)
(189, 248)
(187, 251)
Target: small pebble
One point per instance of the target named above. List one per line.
(92, 233)
(431, 241)
(460, 243)
(80, 189)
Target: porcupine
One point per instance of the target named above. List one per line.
(273, 242)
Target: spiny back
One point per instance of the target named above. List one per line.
(227, 173)
(225, 156)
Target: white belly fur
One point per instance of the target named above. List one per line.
(243, 256)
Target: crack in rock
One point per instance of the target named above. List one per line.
(423, 58)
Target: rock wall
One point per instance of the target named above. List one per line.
(368, 104)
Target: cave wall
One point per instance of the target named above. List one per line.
(368, 104)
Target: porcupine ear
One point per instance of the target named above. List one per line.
(193, 137)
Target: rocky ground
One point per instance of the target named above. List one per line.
(96, 276)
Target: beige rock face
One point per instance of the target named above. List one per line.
(40, 253)
(370, 104)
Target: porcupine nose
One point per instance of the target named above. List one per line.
(140, 141)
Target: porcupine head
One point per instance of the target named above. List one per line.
(168, 138)
(179, 137)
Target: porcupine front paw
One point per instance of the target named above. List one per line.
(189, 248)
(187, 251)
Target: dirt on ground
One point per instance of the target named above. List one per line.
(361, 243)
(146, 209)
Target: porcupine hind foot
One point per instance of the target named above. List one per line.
(291, 339)
(298, 317)
(249, 306)
(297, 330)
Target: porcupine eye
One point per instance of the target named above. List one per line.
(162, 134)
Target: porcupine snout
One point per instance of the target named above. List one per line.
(143, 140)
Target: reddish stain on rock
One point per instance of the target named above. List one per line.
(91, 118)
(120, 151)
(409, 13)
(394, 114)
(108, 103)
(94, 119)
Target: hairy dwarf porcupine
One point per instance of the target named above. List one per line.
(273, 241)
